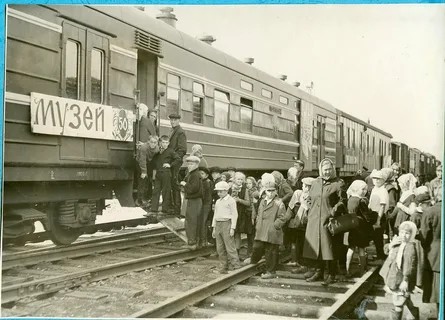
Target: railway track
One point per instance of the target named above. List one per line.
(40, 272)
(165, 285)
(242, 293)
(13, 259)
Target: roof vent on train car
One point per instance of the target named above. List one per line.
(167, 16)
(147, 42)
(296, 84)
(282, 77)
(249, 60)
(207, 39)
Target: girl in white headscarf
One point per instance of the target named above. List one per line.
(358, 239)
(400, 271)
(406, 205)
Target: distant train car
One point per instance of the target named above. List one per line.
(360, 144)
(395, 152)
(404, 157)
(414, 161)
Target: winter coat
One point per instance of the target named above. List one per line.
(326, 202)
(270, 220)
(146, 129)
(178, 141)
(430, 234)
(393, 275)
(399, 214)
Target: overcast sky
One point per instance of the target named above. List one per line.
(379, 62)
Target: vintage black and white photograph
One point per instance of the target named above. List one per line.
(223, 161)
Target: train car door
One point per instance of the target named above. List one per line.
(319, 140)
(339, 155)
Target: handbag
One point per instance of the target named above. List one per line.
(343, 223)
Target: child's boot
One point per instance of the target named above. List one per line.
(363, 264)
(396, 315)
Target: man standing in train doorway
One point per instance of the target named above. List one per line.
(178, 142)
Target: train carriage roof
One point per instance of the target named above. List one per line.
(139, 19)
(367, 125)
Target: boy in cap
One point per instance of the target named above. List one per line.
(270, 219)
(178, 142)
(193, 193)
(378, 204)
(146, 152)
(224, 225)
(163, 162)
(207, 188)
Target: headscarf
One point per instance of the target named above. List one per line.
(421, 190)
(411, 225)
(292, 173)
(388, 175)
(407, 181)
(278, 176)
(355, 188)
(196, 151)
(143, 109)
(333, 174)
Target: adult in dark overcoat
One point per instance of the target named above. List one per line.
(326, 202)
(178, 142)
(430, 231)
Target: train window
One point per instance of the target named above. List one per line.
(286, 125)
(373, 145)
(198, 102)
(263, 120)
(315, 134)
(284, 100)
(361, 141)
(173, 93)
(367, 143)
(72, 66)
(246, 85)
(246, 114)
(266, 93)
(222, 103)
(353, 138)
(97, 75)
(297, 105)
(349, 138)
(297, 129)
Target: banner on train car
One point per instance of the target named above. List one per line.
(67, 117)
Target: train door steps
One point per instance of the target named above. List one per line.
(176, 226)
(377, 305)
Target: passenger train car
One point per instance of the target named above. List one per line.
(75, 76)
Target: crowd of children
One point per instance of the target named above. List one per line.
(292, 214)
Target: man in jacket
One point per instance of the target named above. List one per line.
(178, 142)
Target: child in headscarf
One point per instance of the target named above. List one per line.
(400, 271)
(197, 152)
(406, 205)
(297, 213)
(239, 192)
(358, 239)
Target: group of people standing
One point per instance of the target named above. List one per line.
(295, 213)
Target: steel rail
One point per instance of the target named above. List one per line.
(6, 255)
(57, 253)
(54, 284)
(176, 304)
(44, 235)
(352, 296)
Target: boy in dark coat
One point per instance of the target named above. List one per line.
(193, 193)
(269, 235)
(163, 161)
(207, 188)
(145, 154)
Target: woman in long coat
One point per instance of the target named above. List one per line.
(430, 231)
(327, 202)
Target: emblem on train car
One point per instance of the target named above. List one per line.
(68, 117)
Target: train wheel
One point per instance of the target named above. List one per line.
(60, 235)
